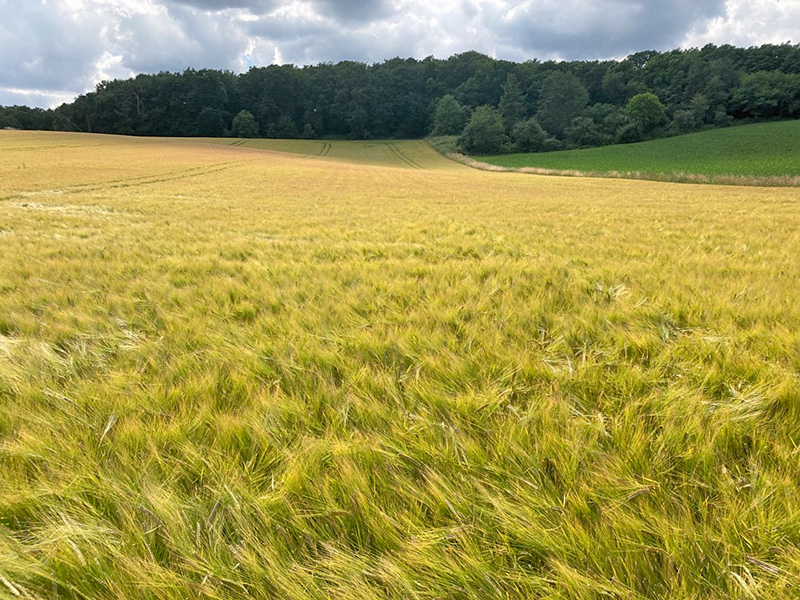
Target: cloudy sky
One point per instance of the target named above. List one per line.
(52, 50)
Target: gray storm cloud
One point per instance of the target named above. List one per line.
(45, 47)
(60, 48)
(256, 6)
(348, 10)
(604, 29)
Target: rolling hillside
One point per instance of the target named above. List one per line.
(750, 152)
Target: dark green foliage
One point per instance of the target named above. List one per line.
(512, 103)
(244, 125)
(562, 99)
(768, 94)
(608, 118)
(630, 132)
(9, 121)
(646, 112)
(450, 117)
(552, 144)
(583, 132)
(24, 117)
(485, 133)
(528, 136)
(700, 111)
(284, 128)
(682, 122)
(616, 85)
(210, 122)
(308, 132)
(358, 119)
(722, 118)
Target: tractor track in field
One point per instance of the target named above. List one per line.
(399, 154)
(124, 183)
(323, 152)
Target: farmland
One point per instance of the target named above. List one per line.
(269, 369)
(767, 153)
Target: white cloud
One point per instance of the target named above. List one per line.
(31, 97)
(750, 23)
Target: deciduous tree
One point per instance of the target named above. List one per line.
(450, 117)
(528, 136)
(646, 110)
(484, 134)
(244, 125)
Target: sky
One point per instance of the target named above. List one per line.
(54, 50)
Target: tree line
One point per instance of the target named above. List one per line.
(492, 105)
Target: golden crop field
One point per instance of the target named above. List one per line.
(356, 370)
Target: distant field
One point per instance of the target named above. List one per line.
(405, 154)
(770, 150)
(229, 373)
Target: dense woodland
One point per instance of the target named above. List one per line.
(494, 105)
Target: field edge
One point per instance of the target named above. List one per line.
(679, 177)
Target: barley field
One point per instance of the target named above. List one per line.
(349, 370)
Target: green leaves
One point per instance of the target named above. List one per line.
(244, 125)
(485, 132)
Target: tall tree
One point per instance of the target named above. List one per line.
(512, 103)
(284, 128)
(210, 123)
(485, 133)
(646, 111)
(449, 117)
(563, 98)
(245, 125)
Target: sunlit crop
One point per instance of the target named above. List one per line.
(232, 372)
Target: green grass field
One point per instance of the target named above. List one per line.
(232, 372)
(754, 152)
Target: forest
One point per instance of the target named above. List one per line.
(493, 105)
